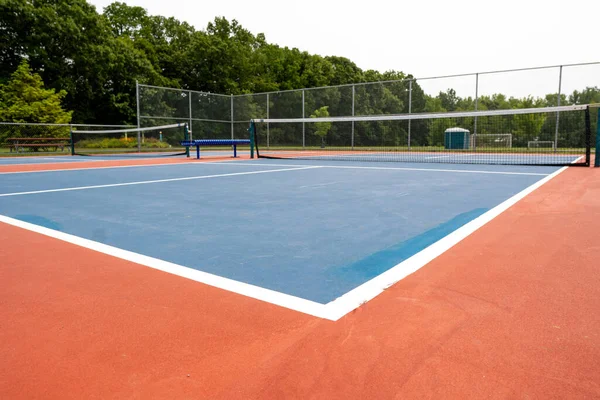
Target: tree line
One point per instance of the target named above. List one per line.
(92, 60)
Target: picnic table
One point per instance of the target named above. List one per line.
(21, 143)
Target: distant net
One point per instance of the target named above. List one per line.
(478, 137)
(541, 144)
(498, 140)
(151, 141)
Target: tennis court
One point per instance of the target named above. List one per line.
(306, 272)
(298, 233)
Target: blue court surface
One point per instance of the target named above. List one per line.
(547, 158)
(310, 229)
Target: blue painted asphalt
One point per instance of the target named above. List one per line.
(440, 157)
(313, 233)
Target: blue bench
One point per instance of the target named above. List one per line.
(215, 142)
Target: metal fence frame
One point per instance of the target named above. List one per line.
(476, 75)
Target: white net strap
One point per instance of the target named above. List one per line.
(152, 128)
(422, 116)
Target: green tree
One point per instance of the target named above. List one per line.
(24, 99)
(450, 101)
(590, 95)
(344, 71)
(125, 20)
(321, 128)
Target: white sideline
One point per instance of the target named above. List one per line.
(245, 289)
(333, 310)
(189, 178)
(368, 290)
(458, 171)
(90, 168)
(250, 163)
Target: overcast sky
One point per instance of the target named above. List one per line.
(424, 38)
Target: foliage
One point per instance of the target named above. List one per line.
(24, 99)
(321, 128)
(119, 143)
(98, 57)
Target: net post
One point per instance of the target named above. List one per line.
(252, 130)
(597, 156)
(72, 141)
(186, 137)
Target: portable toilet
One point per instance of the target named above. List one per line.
(456, 138)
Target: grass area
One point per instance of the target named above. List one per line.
(5, 152)
(128, 150)
(121, 143)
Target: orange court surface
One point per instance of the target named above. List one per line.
(510, 312)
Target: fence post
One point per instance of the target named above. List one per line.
(303, 124)
(190, 126)
(558, 105)
(137, 100)
(231, 117)
(352, 134)
(268, 106)
(476, 109)
(409, 109)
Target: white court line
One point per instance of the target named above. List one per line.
(462, 171)
(47, 158)
(333, 310)
(245, 289)
(459, 171)
(249, 163)
(369, 290)
(189, 178)
(107, 167)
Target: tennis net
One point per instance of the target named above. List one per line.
(476, 137)
(151, 141)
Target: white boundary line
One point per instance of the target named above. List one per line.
(333, 310)
(367, 291)
(245, 289)
(85, 169)
(188, 178)
(463, 171)
(44, 163)
(249, 164)
(457, 171)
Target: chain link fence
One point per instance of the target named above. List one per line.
(20, 138)
(213, 115)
